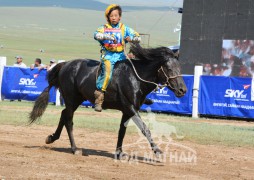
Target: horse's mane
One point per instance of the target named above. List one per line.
(151, 54)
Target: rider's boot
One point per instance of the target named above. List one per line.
(99, 98)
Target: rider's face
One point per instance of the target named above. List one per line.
(114, 17)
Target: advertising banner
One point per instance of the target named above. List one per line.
(219, 95)
(166, 101)
(23, 83)
(226, 96)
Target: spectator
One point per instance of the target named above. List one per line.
(207, 69)
(37, 64)
(243, 71)
(52, 63)
(216, 70)
(250, 70)
(19, 62)
(236, 66)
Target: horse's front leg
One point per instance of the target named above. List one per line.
(121, 135)
(144, 129)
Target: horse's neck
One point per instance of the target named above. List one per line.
(146, 70)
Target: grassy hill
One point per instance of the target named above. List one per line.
(67, 33)
(98, 5)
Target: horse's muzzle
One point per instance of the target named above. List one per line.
(181, 91)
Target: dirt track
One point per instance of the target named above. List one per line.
(25, 155)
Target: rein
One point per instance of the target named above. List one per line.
(150, 82)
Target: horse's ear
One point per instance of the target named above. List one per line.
(137, 50)
(134, 45)
(176, 55)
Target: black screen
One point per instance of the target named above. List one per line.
(206, 23)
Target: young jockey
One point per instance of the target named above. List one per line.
(112, 37)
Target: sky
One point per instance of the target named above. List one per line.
(169, 3)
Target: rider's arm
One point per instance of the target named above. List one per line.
(134, 36)
(99, 33)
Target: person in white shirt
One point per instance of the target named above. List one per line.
(19, 62)
(51, 65)
(251, 73)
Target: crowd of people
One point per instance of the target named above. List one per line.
(37, 63)
(237, 60)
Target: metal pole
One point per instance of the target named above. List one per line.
(58, 101)
(197, 73)
(3, 61)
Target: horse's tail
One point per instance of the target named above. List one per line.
(41, 102)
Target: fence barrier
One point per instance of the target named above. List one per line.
(3, 61)
(226, 96)
(218, 95)
(165, 100)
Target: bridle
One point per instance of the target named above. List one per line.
(158, 86)
(167, 78)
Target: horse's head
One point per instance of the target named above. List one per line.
(170, 74)
(162, 61)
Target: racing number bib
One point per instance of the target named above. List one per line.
(110, 45)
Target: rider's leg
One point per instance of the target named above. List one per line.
(99, 98)
(102, 83)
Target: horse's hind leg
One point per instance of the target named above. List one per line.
(51, 138)
(67, 121)
(69, 127)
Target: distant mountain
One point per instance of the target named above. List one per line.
(79, 4)
(153, 3)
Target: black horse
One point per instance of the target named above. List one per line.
(126, 92)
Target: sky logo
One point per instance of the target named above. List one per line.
(27, 82)
(238, 94)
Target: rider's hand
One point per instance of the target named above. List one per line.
(136, 39)
(104, 36)
(109, 37)
(99, 36)
(128, 39)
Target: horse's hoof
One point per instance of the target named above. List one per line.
(157, 152)
(121, 155)
(77, 152)
(49, 139)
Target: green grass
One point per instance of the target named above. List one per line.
(60, 31)
(16, 113)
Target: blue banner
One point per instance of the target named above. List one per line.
(226, 96)
(24, 83)
(166, 101)
(52, 94)
(219, 95)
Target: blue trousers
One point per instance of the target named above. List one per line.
(108, 62)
